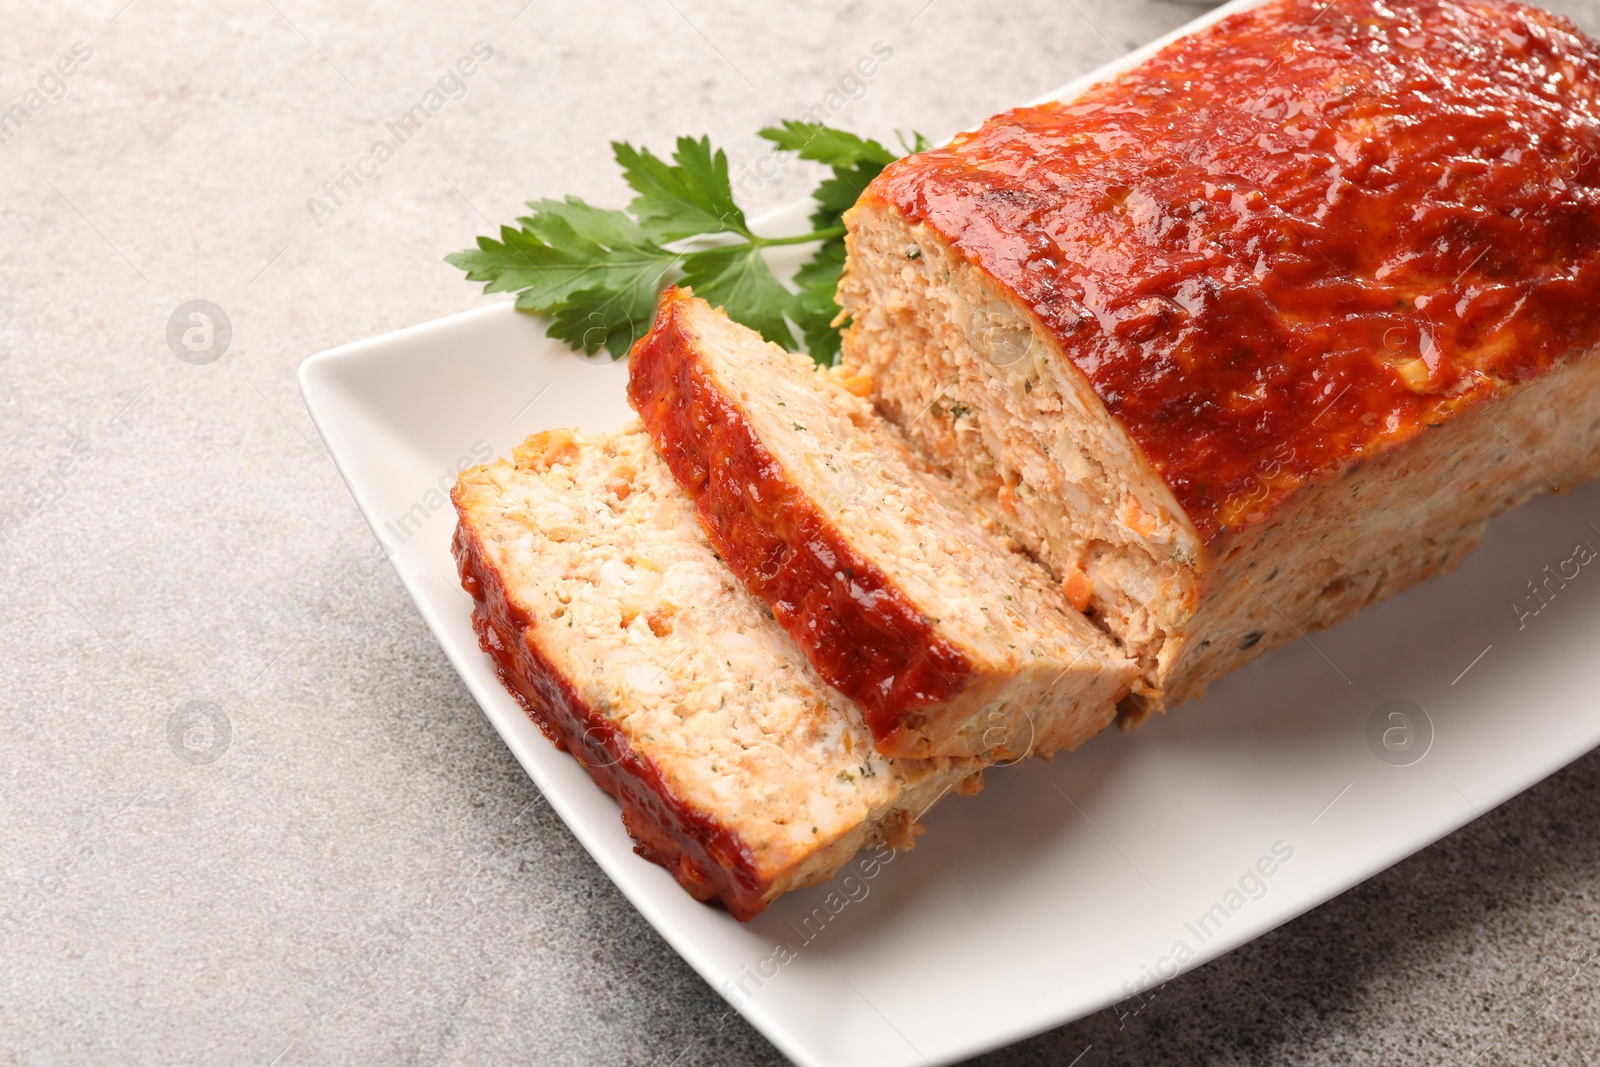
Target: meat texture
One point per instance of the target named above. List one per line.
(1262, 330)
(611, 619)
(955, 643)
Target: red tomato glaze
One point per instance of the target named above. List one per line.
(1298, 237)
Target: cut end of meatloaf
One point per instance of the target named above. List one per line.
(982, 392)
(1230, 404)
(954, 643)
(613, 621)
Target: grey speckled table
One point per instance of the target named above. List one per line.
(348, 866)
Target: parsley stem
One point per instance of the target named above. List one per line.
(817, 235)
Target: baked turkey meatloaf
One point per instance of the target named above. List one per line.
(953, 643)
(611, 619)
(1262, 330)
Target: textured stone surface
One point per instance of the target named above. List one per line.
(364, 874)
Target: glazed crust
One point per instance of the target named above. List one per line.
(860, 632)
(1296, 239)
(704, 856)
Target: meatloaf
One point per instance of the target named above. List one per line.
(1263, 329)
(610, 617)
(954, 643)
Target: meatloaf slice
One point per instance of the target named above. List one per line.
(953, 643)
(1262, 330)
(610, 617)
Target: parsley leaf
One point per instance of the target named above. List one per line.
(596, 272)
(823, 144)
(838, 194)
(917, 144)
(592, 319)
(737, 278)
(855, 161)
(815, 309)
(558, 250)
(688, 197)
(573, 259)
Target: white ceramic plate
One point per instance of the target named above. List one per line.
(1065, 885)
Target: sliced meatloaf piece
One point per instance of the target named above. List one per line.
(610, 617)
(954, 643)
(1262, 330)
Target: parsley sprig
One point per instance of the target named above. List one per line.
(596, 271)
